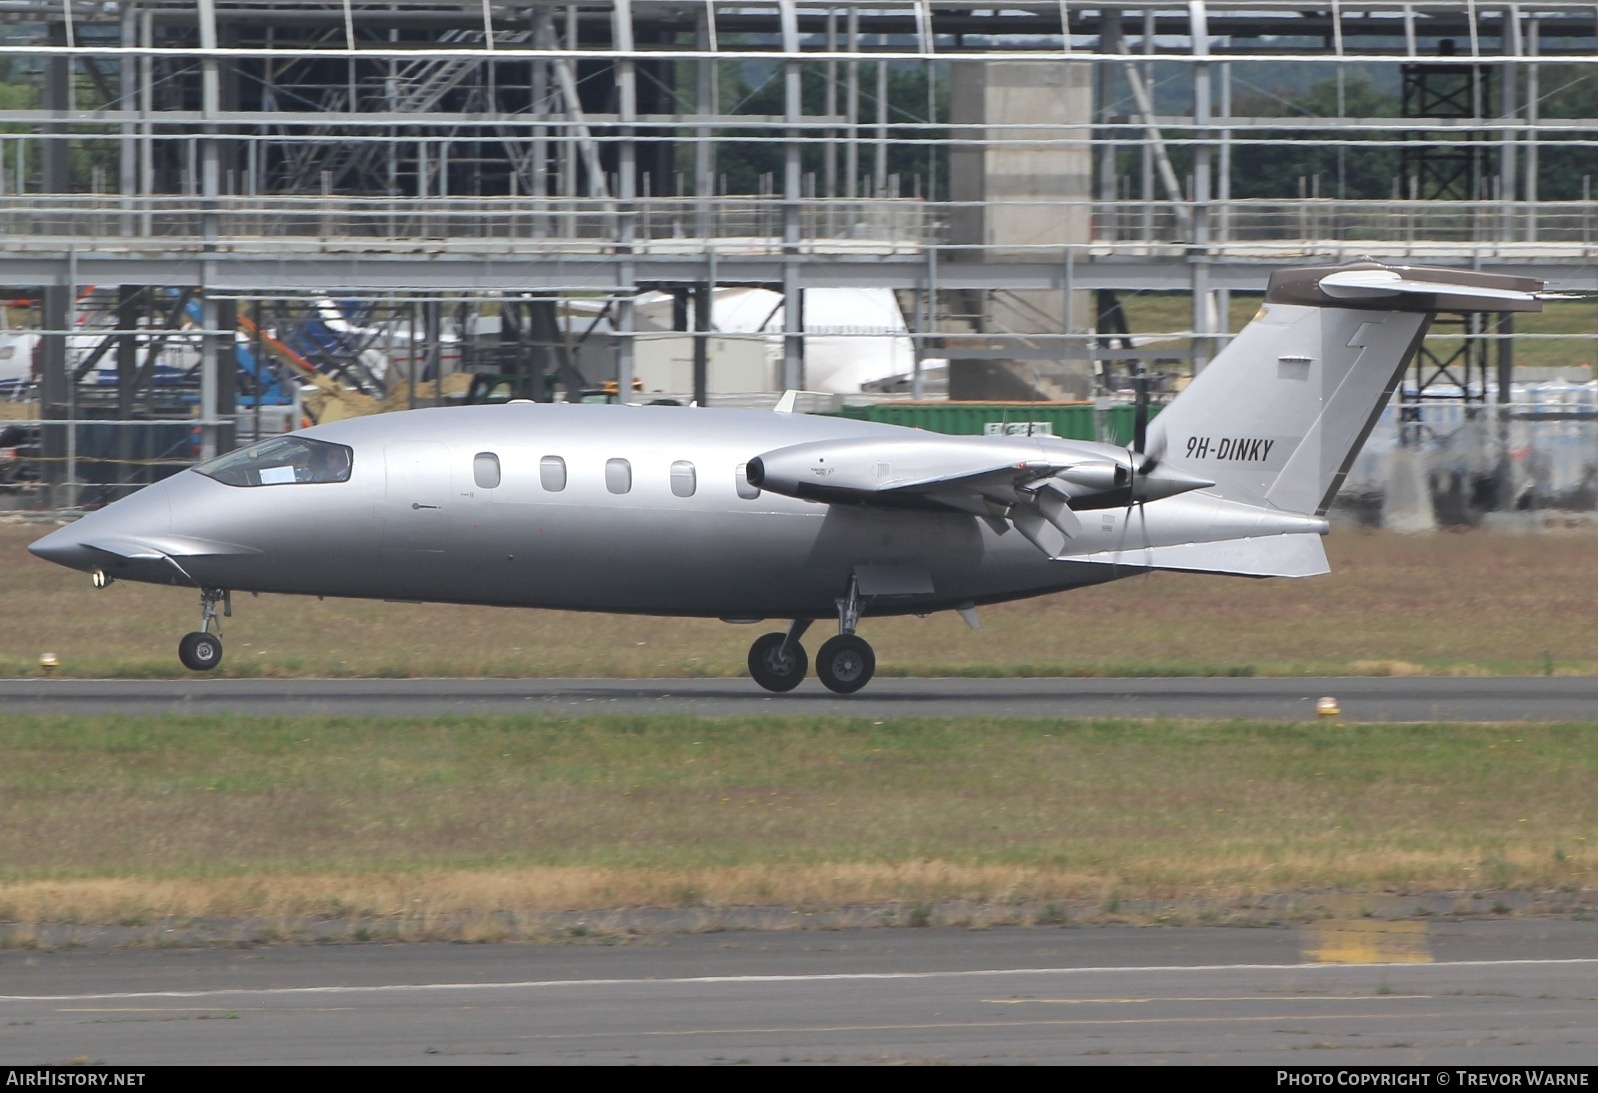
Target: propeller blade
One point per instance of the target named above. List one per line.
(1148, 545)
(1140, 420)
(1154, 452)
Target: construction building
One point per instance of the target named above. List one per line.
(203, 203)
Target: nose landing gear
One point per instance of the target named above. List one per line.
(846, 662)
(201, 650)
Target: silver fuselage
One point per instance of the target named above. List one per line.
(412, 522)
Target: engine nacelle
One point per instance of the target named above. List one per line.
(1097, 477)
(840, 469)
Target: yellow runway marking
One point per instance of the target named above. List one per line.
(1366, 941)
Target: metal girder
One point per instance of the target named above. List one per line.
(949, 22)
(296, 274)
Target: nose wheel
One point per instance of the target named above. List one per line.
(201, 650)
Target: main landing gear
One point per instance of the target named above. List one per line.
(202, 650)
(777, 661)
(845, 664)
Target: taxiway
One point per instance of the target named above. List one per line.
(1408, 699)
(1470, 993)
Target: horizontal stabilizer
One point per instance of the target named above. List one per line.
(1298, 555)
(1365, 284)
(1374, 286)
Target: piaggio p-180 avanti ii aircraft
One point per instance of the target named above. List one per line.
(749, 515)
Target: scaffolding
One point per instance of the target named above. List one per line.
(994, 167)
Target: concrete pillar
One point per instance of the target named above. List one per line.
(1036, 186)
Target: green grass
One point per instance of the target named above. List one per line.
(113, 819)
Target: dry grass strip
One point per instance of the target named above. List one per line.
(1465, 603)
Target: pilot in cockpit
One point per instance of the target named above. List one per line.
(327, 463)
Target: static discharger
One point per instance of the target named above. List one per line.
(1327, 707)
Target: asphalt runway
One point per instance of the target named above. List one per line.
(1464, 993)
(1410, 699)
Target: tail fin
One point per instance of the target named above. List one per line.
(1278, 416)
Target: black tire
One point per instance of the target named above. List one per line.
(199, 651)
(845, 664)
(774, 671)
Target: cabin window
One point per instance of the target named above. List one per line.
(618, 475)
(683, 479)
(281, 461)
(485, 470)
(746, 490)
(552, 473)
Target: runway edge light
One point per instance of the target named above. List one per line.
(1327, 707)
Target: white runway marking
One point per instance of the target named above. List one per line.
(734, 980)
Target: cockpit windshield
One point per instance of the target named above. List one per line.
(281, 461)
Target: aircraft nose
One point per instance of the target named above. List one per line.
(147, 512)
(63, 546)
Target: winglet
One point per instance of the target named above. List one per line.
(786, 404)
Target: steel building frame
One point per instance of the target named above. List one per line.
(260, 148)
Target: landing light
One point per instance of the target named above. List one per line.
(101, 579)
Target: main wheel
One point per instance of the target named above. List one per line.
(200, 651)
(845, 664)
(772, 669)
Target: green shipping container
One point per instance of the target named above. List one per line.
(1071, 420)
